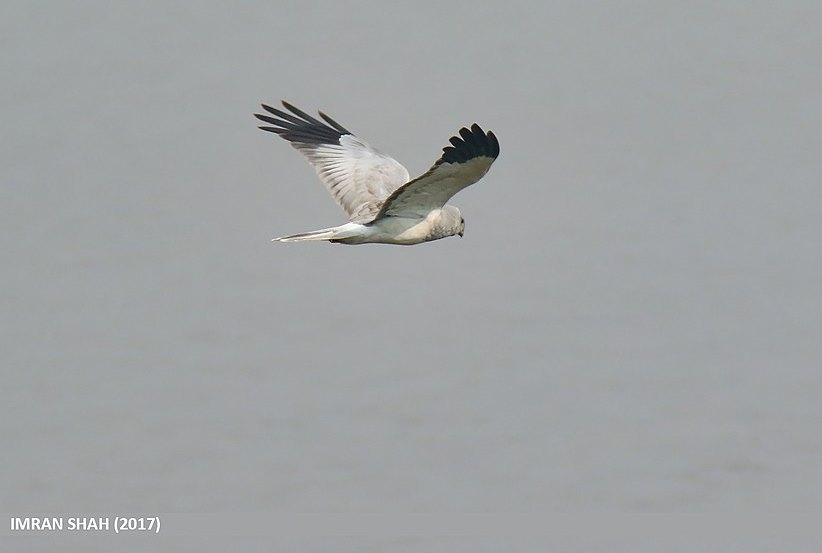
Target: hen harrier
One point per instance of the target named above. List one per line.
(374, 190)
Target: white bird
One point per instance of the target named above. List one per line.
(374, 190)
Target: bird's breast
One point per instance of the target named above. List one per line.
(410, 230)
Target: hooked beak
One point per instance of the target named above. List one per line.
(459, 234)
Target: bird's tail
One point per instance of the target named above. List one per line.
(333, 233)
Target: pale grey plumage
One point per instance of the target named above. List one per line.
(374, 190)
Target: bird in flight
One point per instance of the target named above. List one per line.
(383, 204)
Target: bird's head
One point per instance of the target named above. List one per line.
(450, 221)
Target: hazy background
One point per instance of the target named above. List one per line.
(631, 323)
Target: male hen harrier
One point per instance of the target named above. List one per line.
(374, 190)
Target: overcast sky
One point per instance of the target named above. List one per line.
(631, 322)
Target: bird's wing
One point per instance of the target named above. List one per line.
(359, 177)
(462, 164)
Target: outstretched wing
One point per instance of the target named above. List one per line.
(462, 164)
(359, 177)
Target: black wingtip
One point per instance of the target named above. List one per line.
(299, 127)
(300, 113)
(269, 109)
(494, 143)
(471, 143)
(265, 118)
(334, 124)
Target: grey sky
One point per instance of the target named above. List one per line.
(631, 322)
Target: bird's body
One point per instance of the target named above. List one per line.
(382, 204)
(404, 231)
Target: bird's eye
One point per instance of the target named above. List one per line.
(462, 220)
